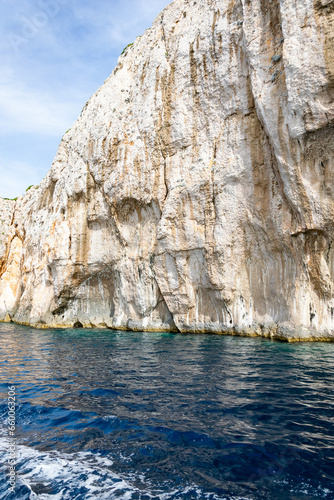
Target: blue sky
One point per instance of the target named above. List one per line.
(54, 55)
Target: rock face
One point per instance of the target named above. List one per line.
(196, 190)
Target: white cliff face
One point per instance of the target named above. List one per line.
(6, 217)
(10, 258)
(195, 191)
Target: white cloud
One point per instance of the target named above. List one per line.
(16, 177)
(29, 111)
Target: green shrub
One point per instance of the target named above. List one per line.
(129, 45)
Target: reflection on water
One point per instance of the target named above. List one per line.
(169, 416)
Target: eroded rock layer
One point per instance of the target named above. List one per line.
(195, 192)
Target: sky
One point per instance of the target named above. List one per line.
(54, 55)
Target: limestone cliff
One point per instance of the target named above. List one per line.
(196, 190)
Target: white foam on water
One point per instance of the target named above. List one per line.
(93, 473)
(84, 470)
(68, 472)
(305, 488)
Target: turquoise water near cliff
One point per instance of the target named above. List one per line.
(127, 415)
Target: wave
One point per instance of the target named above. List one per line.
(52, 475)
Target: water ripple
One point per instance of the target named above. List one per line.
(105, 414)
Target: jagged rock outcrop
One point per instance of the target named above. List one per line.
(195, 192)
(10, 258)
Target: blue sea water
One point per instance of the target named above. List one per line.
(105, 414)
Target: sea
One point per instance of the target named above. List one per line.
(103, 414)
